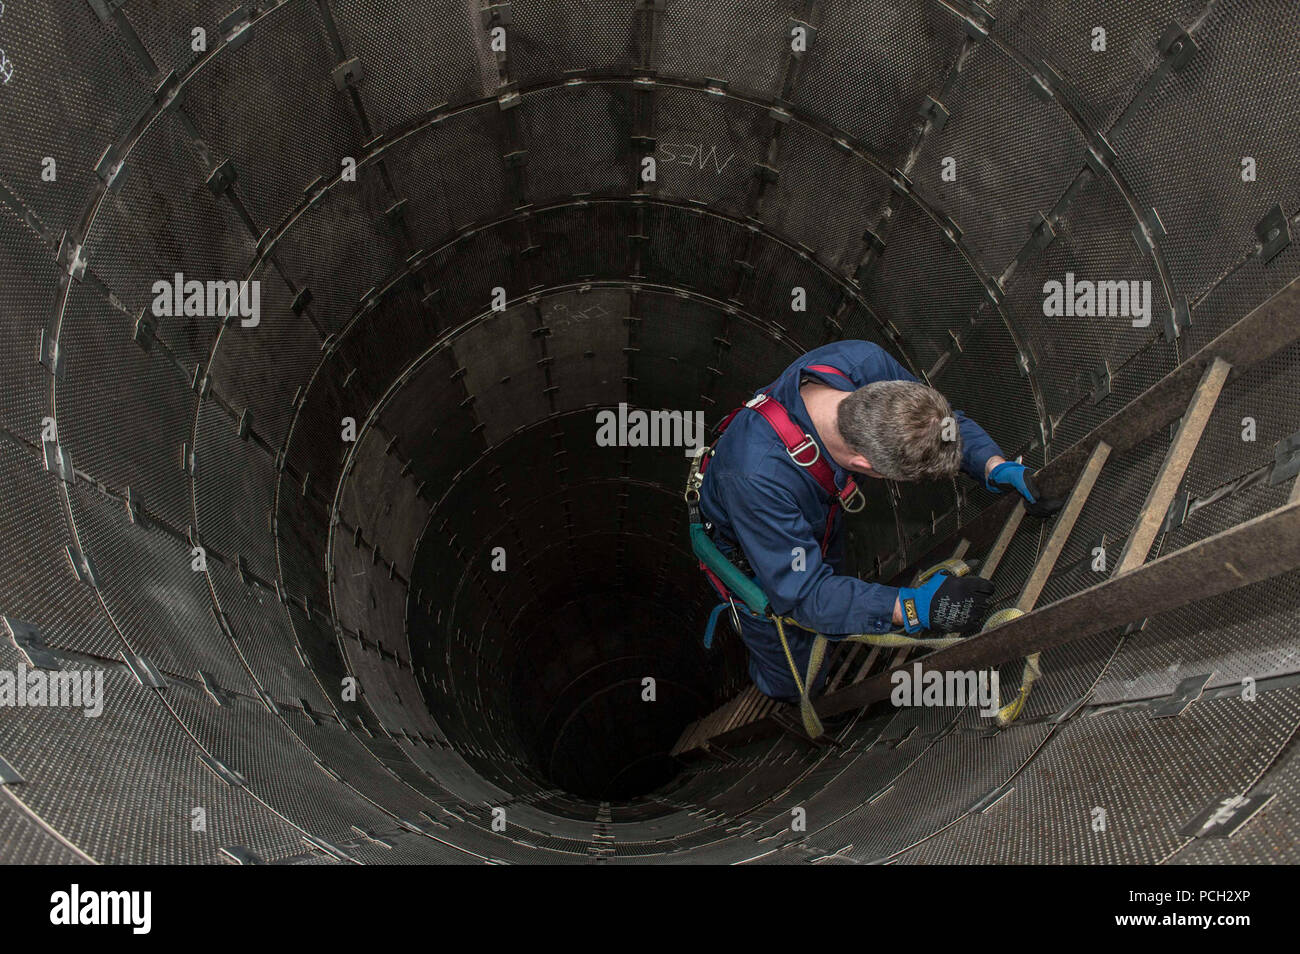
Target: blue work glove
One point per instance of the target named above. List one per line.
(946, 603)
(1010, 475)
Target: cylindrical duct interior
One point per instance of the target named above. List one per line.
(360, 576)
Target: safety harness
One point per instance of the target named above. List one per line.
(732, 583)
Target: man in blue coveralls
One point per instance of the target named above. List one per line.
(868, 416)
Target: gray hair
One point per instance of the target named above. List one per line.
(905, 429)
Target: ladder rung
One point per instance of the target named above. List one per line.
(866, 665)
(1175, 465)
(999, 548)
(849, 656)
(1065, 521)
(743, 702)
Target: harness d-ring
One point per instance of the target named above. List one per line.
(808, 442)
(856, 495)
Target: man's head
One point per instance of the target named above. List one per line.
(900, 430)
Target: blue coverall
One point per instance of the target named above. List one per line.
(757, 498)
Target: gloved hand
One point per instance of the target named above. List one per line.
(946, 603)
(1010, 475)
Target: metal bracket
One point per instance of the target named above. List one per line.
(991, 799)
(50, 356)
(1149, 230)
(309, 711)
(234, 27)
(977, 22)
(1101, 155)
(1224, 817)
(1176, 46)
(1176, 516)
(135, 509)
(1274, 234)
(59, 462)
(951, 230)
(145, 672)
(900, 183)
(266, 700)
(219, 695)
(223, 623)
(222, 178)
(169, 93)
(188, 461)
(1177, 320)
(372, 837)
(223, 771)
(873, 241)
(82, 565)
(241, 855)
(28, 640)
(329, 849)
(1286, 460)
(245, 423)
(144, 333)
(1069, 711)
(1187, 692)
(1135, 627)
(348, 74)
(8, 774)
(71, 258)
(1041, 233)
(110, 169)
(935, 113)
(1099, 383)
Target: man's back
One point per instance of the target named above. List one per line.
(763, 503)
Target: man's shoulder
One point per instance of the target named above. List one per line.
(851, 349)
(762, 464)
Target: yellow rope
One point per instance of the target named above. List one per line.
(807, 712)
(1011, 711)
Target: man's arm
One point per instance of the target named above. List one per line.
(785, 552)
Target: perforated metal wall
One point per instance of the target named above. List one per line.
(358, 576)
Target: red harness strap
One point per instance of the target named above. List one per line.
(803, 450)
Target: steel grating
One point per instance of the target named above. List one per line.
(72, 89)
(1147, 792)
(27, 841)
(150, 591)
(1235, 84)
(1269, 837)
(871, 68)
(101, 785)
(28, 272)
(1012, 157)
